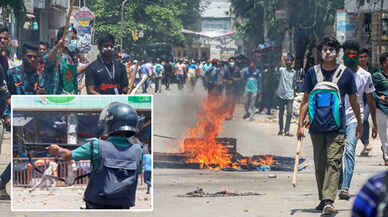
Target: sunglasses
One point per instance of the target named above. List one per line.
(331, 49)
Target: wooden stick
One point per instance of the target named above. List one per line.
(64, 33)
(298, 151)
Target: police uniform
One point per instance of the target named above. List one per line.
(116, 161)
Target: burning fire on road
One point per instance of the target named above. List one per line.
(202, 145)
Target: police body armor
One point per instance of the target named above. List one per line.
(114, 182)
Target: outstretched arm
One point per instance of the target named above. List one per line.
(63, 153)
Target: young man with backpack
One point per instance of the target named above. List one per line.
(325, 87)
(365, 86)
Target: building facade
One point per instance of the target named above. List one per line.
(216, 38)
(370, 21)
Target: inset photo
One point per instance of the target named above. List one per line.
(81, 152)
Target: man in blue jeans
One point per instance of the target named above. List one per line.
(365, 86)
(147, 160)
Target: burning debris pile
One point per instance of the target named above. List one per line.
(203, 149)
(201, 193)
(201, 145)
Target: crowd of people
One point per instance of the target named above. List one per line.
(339, 97)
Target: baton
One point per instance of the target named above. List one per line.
(298, 151)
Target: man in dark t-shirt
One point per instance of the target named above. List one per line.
(105, 75)
(328, 146)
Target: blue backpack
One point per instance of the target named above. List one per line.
(325, 102)
(158, 70)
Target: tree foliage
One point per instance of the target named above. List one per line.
(310, 18)
(249, 21)
(160, 20)
(14, 4)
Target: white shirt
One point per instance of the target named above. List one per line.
(52, 167)
(364, 85)
(133, 68)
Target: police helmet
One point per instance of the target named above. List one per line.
(118, 118)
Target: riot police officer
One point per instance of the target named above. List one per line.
(116, 161)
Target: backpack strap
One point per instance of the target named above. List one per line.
(336, 77)
(338, 73)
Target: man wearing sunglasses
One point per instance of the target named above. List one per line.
(364, 86)
(328, 143)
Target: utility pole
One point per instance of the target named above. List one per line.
(265, 21)
(121, 26)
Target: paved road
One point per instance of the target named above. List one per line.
(174, 114)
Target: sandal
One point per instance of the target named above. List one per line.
(288, 134)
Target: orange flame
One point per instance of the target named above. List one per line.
(201, 146)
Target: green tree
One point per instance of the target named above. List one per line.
(310, 18)
(249, 21)
(14, 4)
(160, 20)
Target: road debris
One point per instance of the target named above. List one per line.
(201, 193)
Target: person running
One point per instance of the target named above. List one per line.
(364, 86)
(47, 177)
(325, 87)
(285, 94)
(105, 75)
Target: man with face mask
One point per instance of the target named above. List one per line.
(328, 142)
(365, 86)
(232, 81)
(105, 75)
(61, 79)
